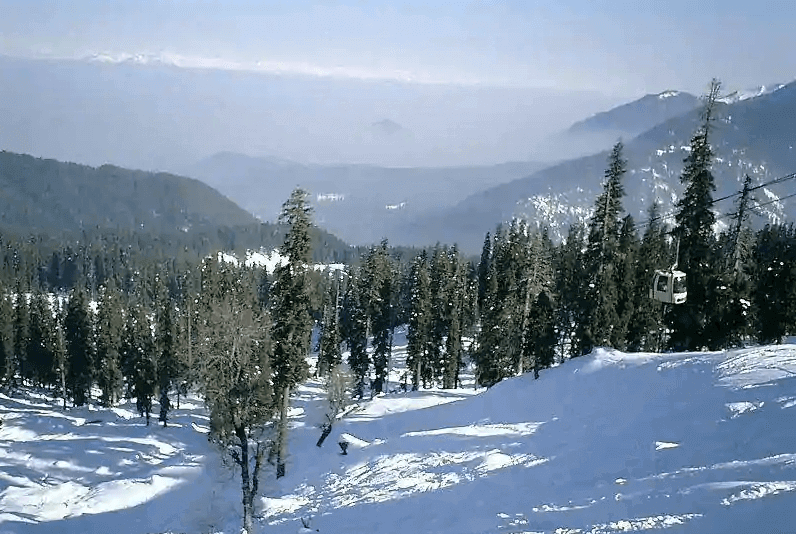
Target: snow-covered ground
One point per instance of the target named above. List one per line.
(610, 442)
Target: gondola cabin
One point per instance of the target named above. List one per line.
(669, 287)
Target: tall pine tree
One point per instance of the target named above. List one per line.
(689, 321)
(292, 326)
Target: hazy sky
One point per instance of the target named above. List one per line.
(618, 47)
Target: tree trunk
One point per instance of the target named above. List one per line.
(282, 438)
(245, 482)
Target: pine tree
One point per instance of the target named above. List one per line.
(602, 292)
(626, 265)
(6, 337)
(542, 340)
(774, 279)
(110, 324)
(695, 231)
(40, 356)
(440, 280)
(21, 335)
(379, 283)
(483, 269)
(166, 347)
(291, 304)
(571, 288)
(356, 338)
(457, 296)
(329, 354)
(78, 333)
(419, 324)
(646, 329)
(138, 365)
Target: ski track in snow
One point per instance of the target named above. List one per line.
(611, 442)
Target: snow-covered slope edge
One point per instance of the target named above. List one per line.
(606, 443)
(610, 442)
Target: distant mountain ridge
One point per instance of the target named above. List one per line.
(754, 135)
(40, 194)
(638, 116)
(359, 203)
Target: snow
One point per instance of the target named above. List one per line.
(610, 442)
(668, 94)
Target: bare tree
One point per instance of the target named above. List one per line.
(234, 349)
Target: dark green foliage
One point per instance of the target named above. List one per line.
(570, 286)
(774, 278)
(356, 330)
(379, 293)
(329, 354)
(40, 355)
(21, 335)
(645, 328)
(419, 324)
(291, 296)
(602, 319)
(78, 333)
(496, 339)
(694, 229)
(6, 337)
(166, 340)
(138, 365)
(542, 339)
(291, 301)
(110, 326)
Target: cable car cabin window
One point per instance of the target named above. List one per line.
(679, 285)
(663, 285)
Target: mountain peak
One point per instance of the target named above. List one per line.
(668, 94)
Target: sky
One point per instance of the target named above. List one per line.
(618, 47)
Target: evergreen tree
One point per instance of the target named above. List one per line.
(357, 331)
(419, 324)
(774, 280)
(483, 269)
(695, 231)
(379, 283)
(6, 337)
(626, 265)
(602, 292)
(542, 340)
(329, 355)
(40, 356)
(440, 281)
(78, 333)
(646, 329)
(110, 324)
(571, 288)
(734, 323)
(166, 346)
(291, 304)
(60, 356)
(457, 297)
(138, 363)
(21, 335)
(498, 338)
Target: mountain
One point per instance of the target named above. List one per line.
(49, 198)
(155, 113)
(633, 118)
(753, 135)
(45, 194)
(360, 203)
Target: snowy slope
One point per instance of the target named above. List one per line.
(611, 442)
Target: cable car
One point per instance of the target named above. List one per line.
(669, 287)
